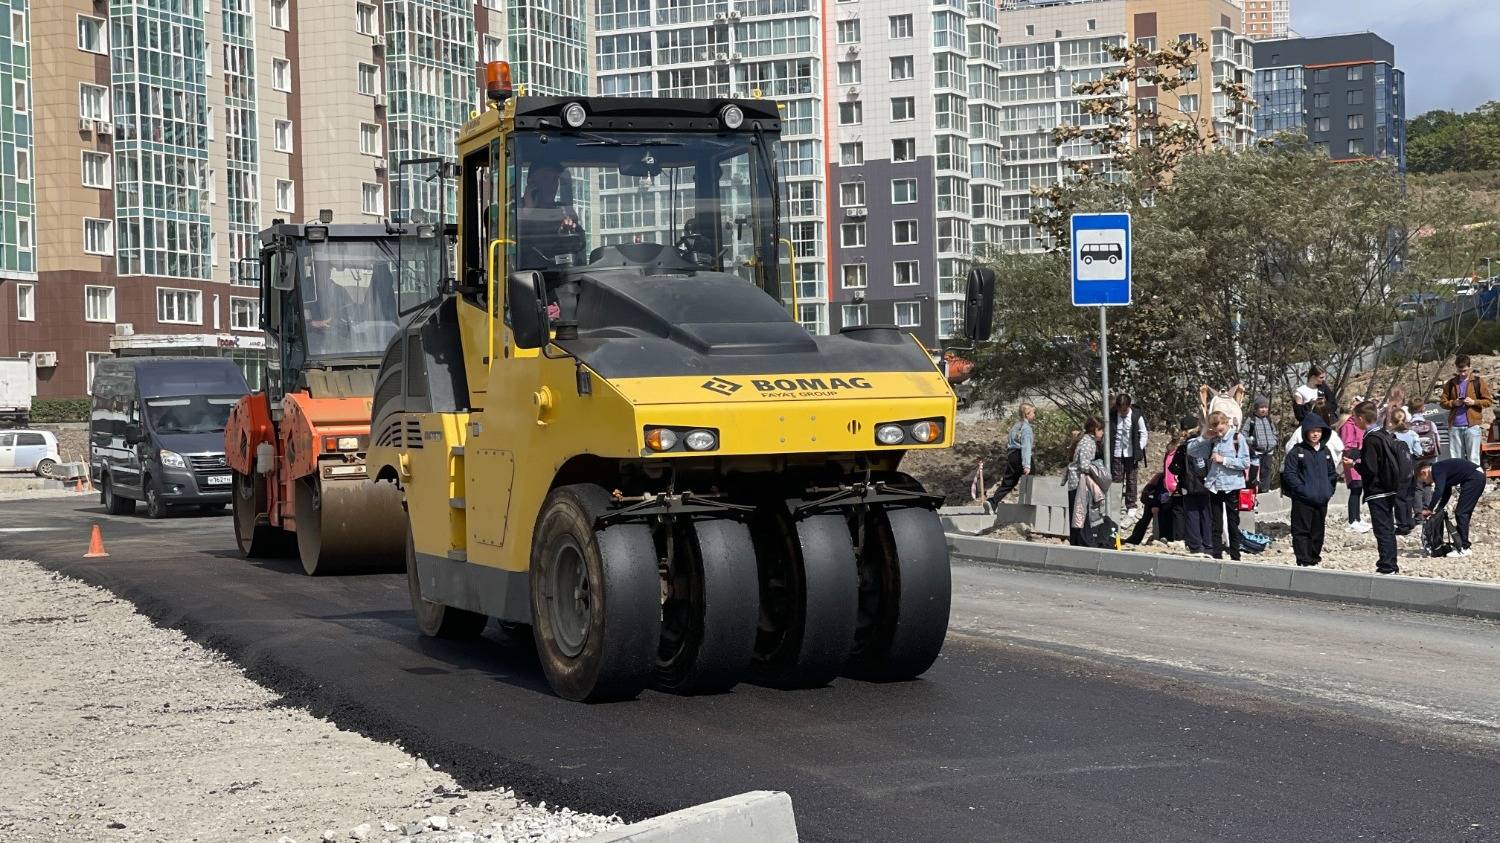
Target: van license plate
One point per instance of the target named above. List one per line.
(218, 480)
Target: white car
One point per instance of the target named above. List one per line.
(29, 450)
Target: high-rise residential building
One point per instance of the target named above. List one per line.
(1343, 91)
(169, 132)
(1266, 19)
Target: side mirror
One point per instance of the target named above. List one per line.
(250, 269)
(526, 298)
(134, 435)
(282, 276)
(979, 304)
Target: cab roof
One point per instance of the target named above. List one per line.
(336, 231)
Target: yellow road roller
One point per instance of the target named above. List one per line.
(607, 427)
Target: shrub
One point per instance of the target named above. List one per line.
(55, 410)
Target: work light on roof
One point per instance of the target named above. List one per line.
(574, 115)
(732, 116)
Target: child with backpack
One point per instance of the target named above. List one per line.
(1260, 432)
(1385, 468)
(1308, 477)
(1221, 455)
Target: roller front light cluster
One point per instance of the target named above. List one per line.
(344, 443)
(913, 432)
(680, 439)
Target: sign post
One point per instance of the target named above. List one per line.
(1101, 278)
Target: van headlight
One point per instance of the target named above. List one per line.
(171, 459)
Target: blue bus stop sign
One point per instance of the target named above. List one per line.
(1101, 259)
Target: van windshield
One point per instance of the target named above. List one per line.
(190, 414)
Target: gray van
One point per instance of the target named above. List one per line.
(156, 432)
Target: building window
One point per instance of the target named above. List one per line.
(369, 139)
(908, 314)
(286, 196)
(372, 199)
(1320, 124)
(179, 307)
(904, 149)
(494, 49)
(278, 14)
(91, 34)
(1320, 100)
(369, 79)
(904, 232)
(23, 234)
(364, 18)
(20, 94)
(93, 358)
(96, 170)
(901, 26)
(1357, 97)
(26, 302)
(18, 27)
(848, 31)
(852, 235)
(1356, 73)
(902, 68)
(1147, 43)
(283, 139)
(849, 73)
(851, 113)
(856, 315)
(903, 191)
(1356, 121)
(1320, 76)
(1188, 103)
(281, 74)
(244, 314)
(209, 122)
(1093, 24)
(852, 194)
(903, 108)
(93, 102)
(851, 154)
(23, 165)
(98, 304)
(856, 276)
(1031, 29)
(949, 318)
(1356, 146)
(98, 236)
(905, 273)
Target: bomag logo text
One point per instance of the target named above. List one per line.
(808, 387)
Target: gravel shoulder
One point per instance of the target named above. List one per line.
(120, 730)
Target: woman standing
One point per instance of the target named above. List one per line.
(1085, 494)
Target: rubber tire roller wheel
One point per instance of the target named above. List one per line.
(256, 538)
(712, 610)
(807, 634)
(435, 620)
(906, 590)
(113, 503)
(616, 598)
(349, 527)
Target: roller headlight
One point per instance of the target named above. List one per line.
(701, 440)
(172, 459)
(890, 434)
(661, 439)
(341, 443)
(927, 432)
(574, 114)
(733, 116)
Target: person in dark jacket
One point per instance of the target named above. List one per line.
(1384, 464)
(1197, 519)
(1446, 475)
(1308, 477)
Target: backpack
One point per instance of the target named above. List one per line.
(1385, 461)
(1427, 433)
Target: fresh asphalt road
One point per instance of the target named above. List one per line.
(1063, 708)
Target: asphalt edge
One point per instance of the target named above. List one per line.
(759, 816)
(1416, 594)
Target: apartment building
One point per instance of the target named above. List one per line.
(1343, 91)
(1268, 19)
(167, 133)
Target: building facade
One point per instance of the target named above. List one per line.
(1268, 19)
(168, 133)
(1343, 91)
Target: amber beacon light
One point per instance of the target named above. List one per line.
(497, 81)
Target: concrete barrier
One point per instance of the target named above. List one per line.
(1417, 594)
(760, 816)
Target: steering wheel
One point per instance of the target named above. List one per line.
(687, 248)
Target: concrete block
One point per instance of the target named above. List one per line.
(973, 548)
(1044, 491)
(961, 510)
(1022, 553)
(1481, 600)
(1014, 513)
(760, 816)
(1051, 520)
(1414, 592)
(1188, 569)
(1253, 576)
(1338, 585)
(970, 524)
(1077, 559)
(1122, 564)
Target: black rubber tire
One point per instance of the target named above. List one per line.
(712, 609)
(349, 527)
(809, 598)
(113, 503)
(621, 598)
(155, 507)
(256, 538)
(906, 591)
(45, 468)
(435, 620)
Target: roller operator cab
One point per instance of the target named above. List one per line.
(607, 426)
(329, 307)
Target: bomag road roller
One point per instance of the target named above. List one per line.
(606, 425)
(329, 306)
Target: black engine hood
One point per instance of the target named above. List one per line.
(635, 324)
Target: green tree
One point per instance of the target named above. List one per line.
(1445, 141)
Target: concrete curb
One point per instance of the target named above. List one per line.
(1417, 594)
(760, 816)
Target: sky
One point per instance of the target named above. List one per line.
(1446, 47)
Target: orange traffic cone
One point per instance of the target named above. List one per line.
(96, 545)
